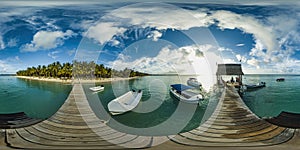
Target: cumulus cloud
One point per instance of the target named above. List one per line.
(183, 60)
(272, 36)
(118, 21)
(248, 24)
(177, 18)
(114, 42)
(45, 40)
(155, 35)
(103, 32)
(253, 62)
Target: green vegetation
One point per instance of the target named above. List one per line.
(83, 69)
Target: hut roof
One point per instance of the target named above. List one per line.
(229, 69)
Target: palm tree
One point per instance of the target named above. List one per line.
(78, 69)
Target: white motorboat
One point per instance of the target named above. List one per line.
(97, 88)
(256, 86)
(183, 93)
(126, 102)
(194, 82)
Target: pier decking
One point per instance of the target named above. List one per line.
(67, 129)
(16, 120)
(232, 124)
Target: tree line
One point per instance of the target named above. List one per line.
(79, 69)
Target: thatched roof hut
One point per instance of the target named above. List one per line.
(230, 69)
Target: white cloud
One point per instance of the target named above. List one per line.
(45, 40)
(53, 54)
(103, 32)
(12, 42)
(240, 45)
(2, 45)
(229, 61)
(253, 62)
(155, 35)
(173, 17)
(272, 35)
(114, 42)
(177, 18)
(6, 68)
(240, 58)
(221, 49)
(183, 60)
(262, 34)
(116, 22)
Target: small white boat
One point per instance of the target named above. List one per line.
(125, 103)
(97, 88)
(194, 82)
(183, 93)
(255, 86)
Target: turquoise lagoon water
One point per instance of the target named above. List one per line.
(158, 113)
(36, 98)
(275, 97)
(157, 108)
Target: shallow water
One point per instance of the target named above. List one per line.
(275, 97)
(37, 99)
(158, 113)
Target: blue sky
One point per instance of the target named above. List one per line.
(175, 36)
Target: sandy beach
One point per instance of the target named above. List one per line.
(98, 80)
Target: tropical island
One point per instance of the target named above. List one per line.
(89, 71)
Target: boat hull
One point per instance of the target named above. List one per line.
(124, 103)
(257, 86)
(183, 99)
(280, 79)
(96, 89)
(194, 83)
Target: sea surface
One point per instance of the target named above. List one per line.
(158, 113)
(38, 99)
(275, 97)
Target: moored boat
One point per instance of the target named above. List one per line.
(183, 93)
(125, 103)
(255, 86)
(280, 79)
(97, 88)
(194, 82)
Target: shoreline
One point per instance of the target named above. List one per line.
(98, 80)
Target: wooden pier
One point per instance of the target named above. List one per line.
(75, 126)
(232, 124)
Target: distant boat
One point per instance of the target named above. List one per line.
(256, 86)
(97, 88)
(280, 79)
(125, 103)
(193, 82)
(183, 93)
